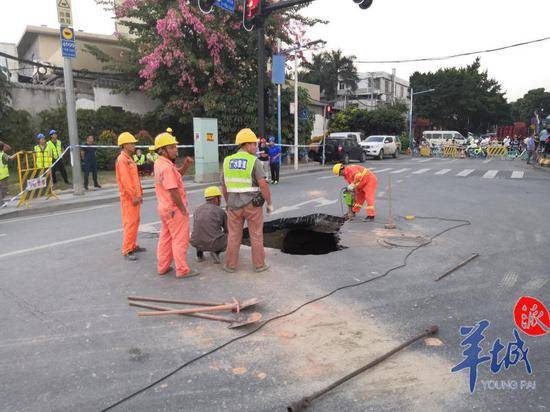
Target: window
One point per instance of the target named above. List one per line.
(341, 86)
(388, 87)
(377, 84)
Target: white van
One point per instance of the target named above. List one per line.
(439, 137)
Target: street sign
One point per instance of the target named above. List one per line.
(278, 69)
(64, 13)
(228, 5)
(68, 46)
(304, 114)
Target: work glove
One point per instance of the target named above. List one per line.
(351, 187)
(269, 209)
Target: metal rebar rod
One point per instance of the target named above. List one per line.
(447, 273)
(306, 402)
(195, 315)
(179, 302)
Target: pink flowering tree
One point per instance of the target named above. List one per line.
(196, 64)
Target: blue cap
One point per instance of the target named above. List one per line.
(40, 136)
(52, 132)
(271, 139)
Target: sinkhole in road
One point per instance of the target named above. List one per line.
(315, 234)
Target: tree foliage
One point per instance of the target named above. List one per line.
(197, 64)
(385, 120)
(465, 99)
(329, 68)
(524, 108)
(5, 95)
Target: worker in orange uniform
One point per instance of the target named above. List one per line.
(363, 182)
(172, 208)
(131, 195)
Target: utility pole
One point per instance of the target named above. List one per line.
(260, 29)
(68, 50)
(296, 123)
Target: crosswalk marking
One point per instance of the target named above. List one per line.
(424, 160)
(384, 170)
(443, 172)
(399, 171)
(490, 174)
(487, 161)
(419, 172)
(516, 174)
(465, 172)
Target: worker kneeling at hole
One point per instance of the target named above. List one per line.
(363, 182)
(210, 226)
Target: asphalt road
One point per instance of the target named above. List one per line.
(70, 342)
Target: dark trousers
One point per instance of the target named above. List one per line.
(59, 167)
(87, 169)
(275, 169)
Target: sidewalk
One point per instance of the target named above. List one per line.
(109, 194)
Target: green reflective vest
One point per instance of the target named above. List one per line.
(237, 173)
(55, 148)
(139, 160)
(43, 157)
(4, 171)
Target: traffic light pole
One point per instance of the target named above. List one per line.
(261, 76)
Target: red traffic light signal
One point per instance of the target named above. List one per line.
(252, 7)
(363, 4)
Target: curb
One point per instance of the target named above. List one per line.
(148, 192)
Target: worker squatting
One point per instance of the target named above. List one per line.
(244, 187)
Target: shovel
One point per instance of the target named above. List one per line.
(242, 305)
(237, 322)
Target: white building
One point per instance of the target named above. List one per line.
(12, 66)
(374, 89)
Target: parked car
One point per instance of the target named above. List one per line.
(379, 146)
(338, 149)
(439, 137)
(358, 136)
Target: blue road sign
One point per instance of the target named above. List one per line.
(304, 114)
(68, 45)
(228, 5)
(278, 69)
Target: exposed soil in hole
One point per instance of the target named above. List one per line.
(305, 235)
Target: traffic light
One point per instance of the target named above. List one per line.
(252, 8)
(329, 111)
(363, 4)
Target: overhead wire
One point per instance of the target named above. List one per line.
(460, 223)
(453, 56)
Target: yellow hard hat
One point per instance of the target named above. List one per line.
(169, 130)
(164, 139)
(337, 168)
(125, 138)
(212, 191)
(152, 148)
(246, 136)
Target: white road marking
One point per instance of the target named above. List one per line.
(328, 177)
(419, 172)
(443, 172)
(381, 194)
(384, 170)
(2, 234)
(321, 201)
(509, 280)
(535, 284)
(517, 174)
(465, 172)
(399, 181)
(487, 161)
(424, 160)
(490, 174)
(399, 171)
(68, 212)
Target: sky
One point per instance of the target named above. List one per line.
(390, 29)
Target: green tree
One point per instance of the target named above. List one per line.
(329, 68)
(524, 108)
(384, 120)
(5, 95)
(465, 99)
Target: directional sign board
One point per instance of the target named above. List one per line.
(228, 5)
(68, 46)
(64, 13)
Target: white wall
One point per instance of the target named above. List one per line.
(135, 102)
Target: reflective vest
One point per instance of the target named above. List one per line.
(139, 160)
(152, 157)
(237, 173)
(43, 157)
(55, 148)
(4, 171)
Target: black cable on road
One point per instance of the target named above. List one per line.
(461, 222)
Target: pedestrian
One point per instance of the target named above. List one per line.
(363, 182)
(245, 190)
(139, 158)
(172, 208)
(274, 152)
(131, 195)
(152, 157)
(43, 159)
(530, 145)
(4, 170)
(210, 226)
(263, 155)
(56, 149)
(89, 162)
